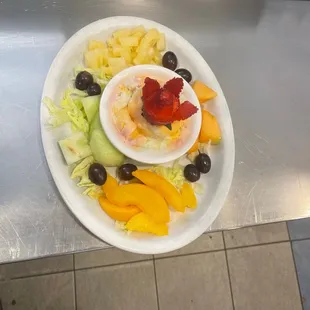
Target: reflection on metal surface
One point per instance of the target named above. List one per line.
(260, 54)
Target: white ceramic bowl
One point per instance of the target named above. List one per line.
(186, 227)
(148, 155)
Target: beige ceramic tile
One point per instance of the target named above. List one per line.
(193, 282)
(105, 257)
(48, 292)
(263, 278)
(256, 235)
(36, 267)
(129, 286)
(206, 242)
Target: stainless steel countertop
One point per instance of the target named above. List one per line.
(260, 53)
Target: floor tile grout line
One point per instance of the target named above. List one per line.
(150, 259)
(74, 281)
(228, 272)
(300, 239)
(40, 275)
(256, 245)
(117, 264)
(156, 283)
(295, 267)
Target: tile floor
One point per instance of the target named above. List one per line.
(252, 268)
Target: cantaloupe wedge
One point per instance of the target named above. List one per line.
(210, 129)
(203, 92)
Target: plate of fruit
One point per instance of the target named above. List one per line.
(137, 134)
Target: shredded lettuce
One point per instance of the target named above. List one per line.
(94, 192)
(85, 181)
(58, 116)
(173, 174)
(121, 226)
(77, 118)
(70, 109)
(82, 167)
(81, 171)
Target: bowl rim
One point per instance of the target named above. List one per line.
(147, 156)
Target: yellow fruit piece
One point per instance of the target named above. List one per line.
(144, 197)
(122, 214)
(94, 59)
(188, 196)
(161, 43)
(129, 41)
(138, 35)
(139, 29)
(144, 223)
(203, 92)
(157, 58)
(121, 33)
(126, 54)
(109, 186)
(91, 59)
(117, 69)
(162, 186)
(112, 41)
(94, 44)
(210, 129)
(194, 147)
(116, 50)
(105, 71)
(116, 62)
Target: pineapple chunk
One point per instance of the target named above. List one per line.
(129, 41)
(105, 71)
(91, 59)
(138, 35)
(121, 33)
(139, 29)
(116, 51)
(117, 69)
(151, 38)
(127, 55)
(157, 58)
(151, 52)
(103, 55)
(117, 62)
(94, 44)
(111, 42)
(161, 43)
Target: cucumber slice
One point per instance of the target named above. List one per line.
(95, 124)
(103, 151)
(91, 106)
(75, 148)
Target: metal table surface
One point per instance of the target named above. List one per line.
(260, 53)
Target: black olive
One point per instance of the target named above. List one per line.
(94, 89)
(191, 173)
(83, 80)
(170, 60)
(185, 74)
(125, 171)
(97, 174)
(203, 163)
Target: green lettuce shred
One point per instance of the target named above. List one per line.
(94, 192)
(82, 167)
(58, 116)
(173, 174)
(70, 110)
